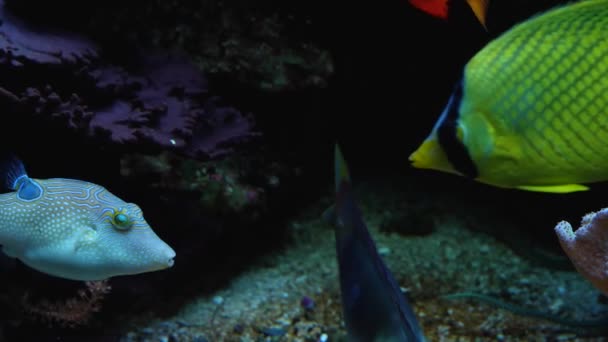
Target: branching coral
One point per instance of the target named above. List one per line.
(165, 102)
(587, 247)
(230, 186)
(160, 101)
(22, 44)
(73, 311)
(250, 44)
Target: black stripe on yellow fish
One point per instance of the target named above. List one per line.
(444, 148)
(447, 136)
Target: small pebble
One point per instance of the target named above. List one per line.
(556, 306)
(218, 300)
(273, 331)
(323, 338)
(383, 251)
(147, 331)
(565, 337)
(307, 303)
(238, 328)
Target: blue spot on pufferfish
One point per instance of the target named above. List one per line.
(29, 189)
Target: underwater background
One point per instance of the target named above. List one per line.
(219, 119)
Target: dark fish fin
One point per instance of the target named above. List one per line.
(329, 215)
(11, 170)
(372, 300)
(342, 176)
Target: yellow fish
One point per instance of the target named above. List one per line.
(531, 110)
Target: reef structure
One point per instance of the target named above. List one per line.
(587, 247)
(63, 82)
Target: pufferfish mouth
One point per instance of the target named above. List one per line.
(170, 259)
(161, 265)
(165, 262)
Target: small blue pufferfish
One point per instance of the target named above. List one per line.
(76, 230)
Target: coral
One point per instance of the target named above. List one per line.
(261, 57)
(46, 104)
(157, 101)
(224, 186)
(73, 311)
(252, 45)
(166, 103)
(21, 44)
(587, 247)
(262, 45)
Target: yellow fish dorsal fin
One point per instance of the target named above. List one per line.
(480, 9)
(559, 189)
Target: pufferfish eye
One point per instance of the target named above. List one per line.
(121, 221)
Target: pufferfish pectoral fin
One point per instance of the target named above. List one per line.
(558, 189)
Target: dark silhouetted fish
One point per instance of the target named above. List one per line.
(374, 307)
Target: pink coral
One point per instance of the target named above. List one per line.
(587, 248)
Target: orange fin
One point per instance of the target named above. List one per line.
(436, 8)
(480, 8)
(440, 8)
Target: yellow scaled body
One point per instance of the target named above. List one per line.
(532, 111)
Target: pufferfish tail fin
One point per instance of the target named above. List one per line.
(14, 178)
(11, 171)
